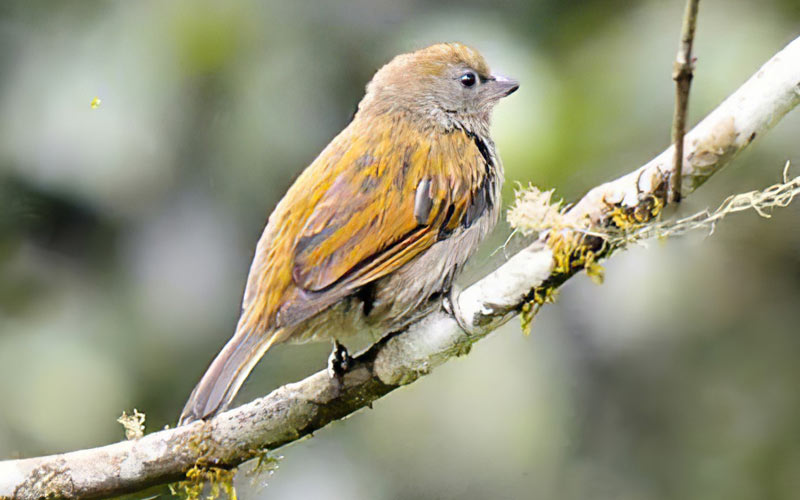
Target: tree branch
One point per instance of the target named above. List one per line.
(296, 410)
(682, 73)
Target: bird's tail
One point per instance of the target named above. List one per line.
(226, 374)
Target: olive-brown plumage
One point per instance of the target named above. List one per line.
(377, 227)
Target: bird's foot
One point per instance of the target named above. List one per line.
(451, 306)
(340, 361)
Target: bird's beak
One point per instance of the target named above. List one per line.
(502, 86)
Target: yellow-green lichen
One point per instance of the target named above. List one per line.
(206, 482)
(580, 244)
(541, 295)
(628, 219)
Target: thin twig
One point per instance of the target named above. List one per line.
(682, 72)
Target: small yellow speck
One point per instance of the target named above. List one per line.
(95, 103)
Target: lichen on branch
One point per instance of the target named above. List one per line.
(577, 245)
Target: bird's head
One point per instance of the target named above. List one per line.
(445, 85)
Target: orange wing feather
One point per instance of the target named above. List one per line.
(352, 226)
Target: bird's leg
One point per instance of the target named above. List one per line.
(340, 361)
(451, 306)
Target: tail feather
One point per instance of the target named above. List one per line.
(226, 374)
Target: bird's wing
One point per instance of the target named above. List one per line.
(386, 207)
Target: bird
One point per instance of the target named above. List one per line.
(372, 234)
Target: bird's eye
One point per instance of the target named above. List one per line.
(468, 79)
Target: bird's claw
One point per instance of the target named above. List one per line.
(452, 307)
(340, 361)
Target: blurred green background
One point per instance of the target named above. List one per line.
(126, 233)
